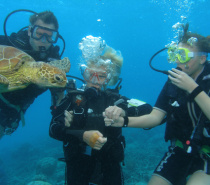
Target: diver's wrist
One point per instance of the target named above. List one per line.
(126, 121)
(192, 88)
(195, 93)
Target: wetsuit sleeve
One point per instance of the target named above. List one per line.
(59, 132)
(140, 110)
(135, 110)
(57, 129)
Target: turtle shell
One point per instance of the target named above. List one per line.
(10, 58)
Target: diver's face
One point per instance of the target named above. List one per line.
(194, 66)
(95, 76)
(35, 44)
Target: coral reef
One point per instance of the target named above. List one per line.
(38, 183)
(37, 164)
(46, 166)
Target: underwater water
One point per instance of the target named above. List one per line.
(138, 29)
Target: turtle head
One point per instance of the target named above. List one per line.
(50, 76)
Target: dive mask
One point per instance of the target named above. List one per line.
(40, 32)
(182, 54)
(95, 76)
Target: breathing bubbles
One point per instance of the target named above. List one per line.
(192, 41)
(92, 47)
(183, 18)
(177, 25)
(178, 30)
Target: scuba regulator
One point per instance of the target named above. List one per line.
(150, 62)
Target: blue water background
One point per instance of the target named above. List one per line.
(137, 28)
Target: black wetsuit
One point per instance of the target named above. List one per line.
(25, 97)
(84, 164)
(183, 115)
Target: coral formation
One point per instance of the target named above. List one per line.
(38, 183)
(46, 166)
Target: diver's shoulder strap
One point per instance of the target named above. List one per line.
(20, 40)
(76, 91)
(112, 92)
(113, 96)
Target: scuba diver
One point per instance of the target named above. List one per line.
(94, 153)
(38, 41)
(185, 102)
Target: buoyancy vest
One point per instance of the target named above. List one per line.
(88, 110)
(184, 114)
(88, 116)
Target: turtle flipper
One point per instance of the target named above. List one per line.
(63, 64)
(4, 82)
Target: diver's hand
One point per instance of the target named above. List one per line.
(94, 139)
(182, 80)
(68, 118)
(113, 116)
(114, 123)
(113, 112)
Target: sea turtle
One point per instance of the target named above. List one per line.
(18, 70)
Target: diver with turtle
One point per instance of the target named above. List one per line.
(37, 40)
